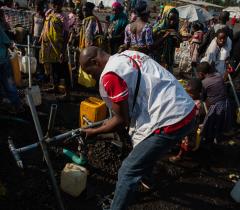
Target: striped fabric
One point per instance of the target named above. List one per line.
(218, 120)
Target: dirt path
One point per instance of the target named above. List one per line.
(184, 185)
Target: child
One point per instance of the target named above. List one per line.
(38, 21)
(106, 25)
(218, 51)
(196, 40)
(219, 116)
(193, 88)
(37, 26)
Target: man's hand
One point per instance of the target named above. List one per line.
(89, 135)
(89, 132)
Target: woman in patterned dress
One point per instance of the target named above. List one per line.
(138, 35)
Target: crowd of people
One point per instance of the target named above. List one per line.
(133, 61)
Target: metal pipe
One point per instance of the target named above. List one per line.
(234, 90)
(51, 120)
(28, 147)
(16, 119)
(73, 132)
(75, 49)
(62, 136)
(31, 46)
(44, 149)
(237, 67)
(58, 137)
(110, 113)
(48, 140)
(15, 153)
(29, 62)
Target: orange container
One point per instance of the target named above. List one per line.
(17, 77)
(93, 109)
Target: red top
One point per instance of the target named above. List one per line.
(233, 21)
(115, 87)
(172, 128)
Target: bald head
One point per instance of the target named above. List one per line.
(87, 54)
(93, 61)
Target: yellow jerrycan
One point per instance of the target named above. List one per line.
(92, 109)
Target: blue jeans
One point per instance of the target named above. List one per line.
(141, 160)
(7, 83)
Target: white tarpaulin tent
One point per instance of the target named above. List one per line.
(194, 13)
(106, 3)
(202, 3)
(22, 3)
(233, 11)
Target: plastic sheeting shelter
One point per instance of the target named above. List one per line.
(194, 13)
(234, 11)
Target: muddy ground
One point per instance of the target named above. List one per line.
(189, 184)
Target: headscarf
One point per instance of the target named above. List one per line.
(116, 5)
(164, 22)
(184, 29)
(118, 21)
(167, 48)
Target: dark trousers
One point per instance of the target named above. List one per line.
(141, 160)
(60, 71)
(8, 84)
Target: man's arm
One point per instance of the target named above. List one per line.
(120, 118)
